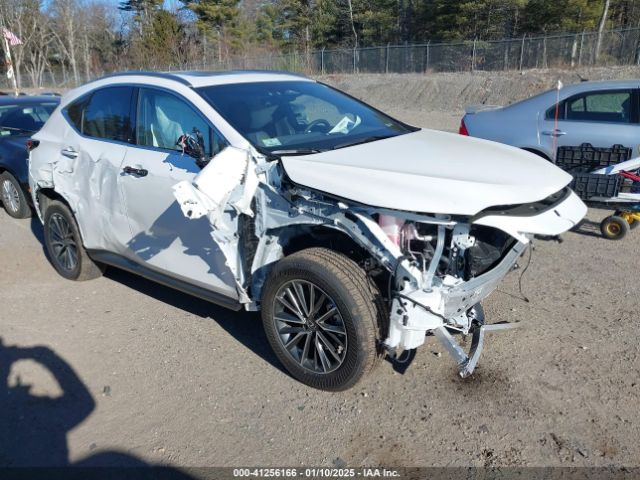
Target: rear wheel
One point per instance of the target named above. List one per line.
(13, 197)
(614, 227)
(320, 313)
(64, 245)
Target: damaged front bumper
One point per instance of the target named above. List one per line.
(468, 362)
(449, 307)
(446, 303)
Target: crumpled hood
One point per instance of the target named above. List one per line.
(431, 172)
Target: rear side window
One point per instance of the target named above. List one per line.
(103, 114)
(107, 114)
(75, 112)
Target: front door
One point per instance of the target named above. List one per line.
(162, 237)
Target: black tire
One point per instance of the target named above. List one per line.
(64, 245)
(358, 310)
(13, 198)
(614, 227)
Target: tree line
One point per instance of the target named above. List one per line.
(80, 39)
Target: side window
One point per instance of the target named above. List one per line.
(75, 111)
(107, 114)
(162, 118)
(612, 106)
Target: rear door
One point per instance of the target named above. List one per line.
(88, 166)
(602, 118)
(163, 239)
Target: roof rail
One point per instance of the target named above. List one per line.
(207, 73)
(166, 75)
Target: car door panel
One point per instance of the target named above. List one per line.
(603, 131)
(102, 218)
(162, 238)
(87, 167)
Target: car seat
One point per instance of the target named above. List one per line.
(239, 115)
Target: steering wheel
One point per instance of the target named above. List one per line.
(320, 122)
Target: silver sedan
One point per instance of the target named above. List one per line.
(602, 114)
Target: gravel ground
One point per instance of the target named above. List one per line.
(164, 378)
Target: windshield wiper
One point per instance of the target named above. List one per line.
(373, 138)
(295, 151)
(15, 129)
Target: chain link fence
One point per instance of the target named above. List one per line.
(618, 47)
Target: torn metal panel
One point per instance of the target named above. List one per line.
(229, 180)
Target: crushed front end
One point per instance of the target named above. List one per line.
(432, 270)
(446, 266)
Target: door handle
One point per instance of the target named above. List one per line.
(140, 172)
(69, 152)
(554, 133)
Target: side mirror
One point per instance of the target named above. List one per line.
(193, 145)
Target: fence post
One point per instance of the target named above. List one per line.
(473, 56)
(386, 60)
(428, 54)
(505, 59)
(580, 51)
(354, 59)
(574, 50)
(322, 61)
(522, 50)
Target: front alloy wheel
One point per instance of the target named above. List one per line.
(322, 316)
(310, 327)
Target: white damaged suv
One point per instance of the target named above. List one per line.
(354, 234)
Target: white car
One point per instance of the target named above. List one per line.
(355, 235)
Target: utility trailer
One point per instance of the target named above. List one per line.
(606, 177)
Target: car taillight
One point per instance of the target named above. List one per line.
(463, 128)
(31, 144)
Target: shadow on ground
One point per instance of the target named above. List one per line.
(35, 427)
(245, 327)
(588, 228)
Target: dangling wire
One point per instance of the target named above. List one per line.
(524, 270)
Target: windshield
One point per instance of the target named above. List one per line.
(298, 117)
(24, 119)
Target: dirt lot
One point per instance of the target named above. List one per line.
(165, 378)
(438, 100)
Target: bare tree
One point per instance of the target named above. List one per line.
(603, 21)
(38, 49)
(66, 33)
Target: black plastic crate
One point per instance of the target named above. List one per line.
(588, 185)
(587, 157)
